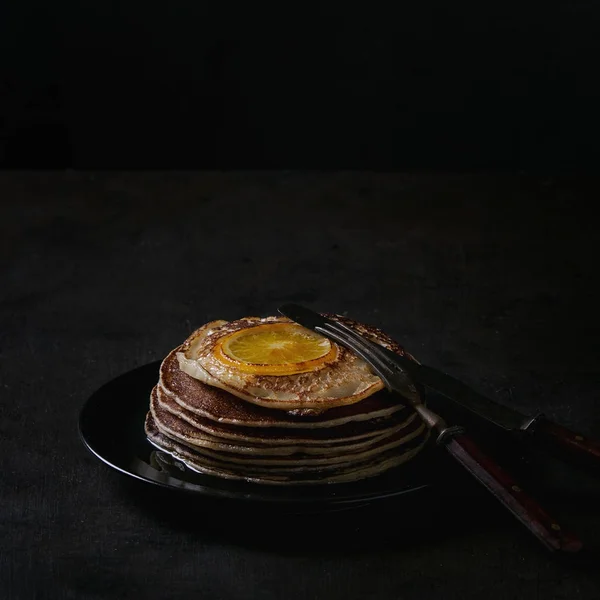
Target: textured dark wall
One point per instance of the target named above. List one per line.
(200, 85)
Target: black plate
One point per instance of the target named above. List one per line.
(111, 425)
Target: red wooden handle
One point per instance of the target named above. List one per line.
(503, 486)
(574, 446)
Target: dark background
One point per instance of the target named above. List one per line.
(490, 276)
(213, 85)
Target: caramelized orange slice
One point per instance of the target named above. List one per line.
(275, 349)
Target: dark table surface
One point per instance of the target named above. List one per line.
(489, 277)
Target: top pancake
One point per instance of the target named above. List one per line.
(341, 380)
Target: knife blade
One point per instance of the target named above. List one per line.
(556, 438)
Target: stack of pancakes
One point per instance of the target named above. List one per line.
(218, 433)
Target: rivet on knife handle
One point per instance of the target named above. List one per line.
(509, 492)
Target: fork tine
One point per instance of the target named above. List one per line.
(363, 350)
(382, 364)
(375, 348)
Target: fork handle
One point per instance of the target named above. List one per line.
(501, 484)
(578, 449)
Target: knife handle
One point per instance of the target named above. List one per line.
(571, 445)
(505, 488)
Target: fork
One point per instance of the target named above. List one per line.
(460, 446)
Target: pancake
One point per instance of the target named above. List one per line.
(174, 426)
(292, 469)
(295, 452)
(348, 432)
(342, 379)
(219, 405)
(181, 433)
(335, 474)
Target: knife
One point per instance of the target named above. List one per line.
(458, 444)
(561, 441)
